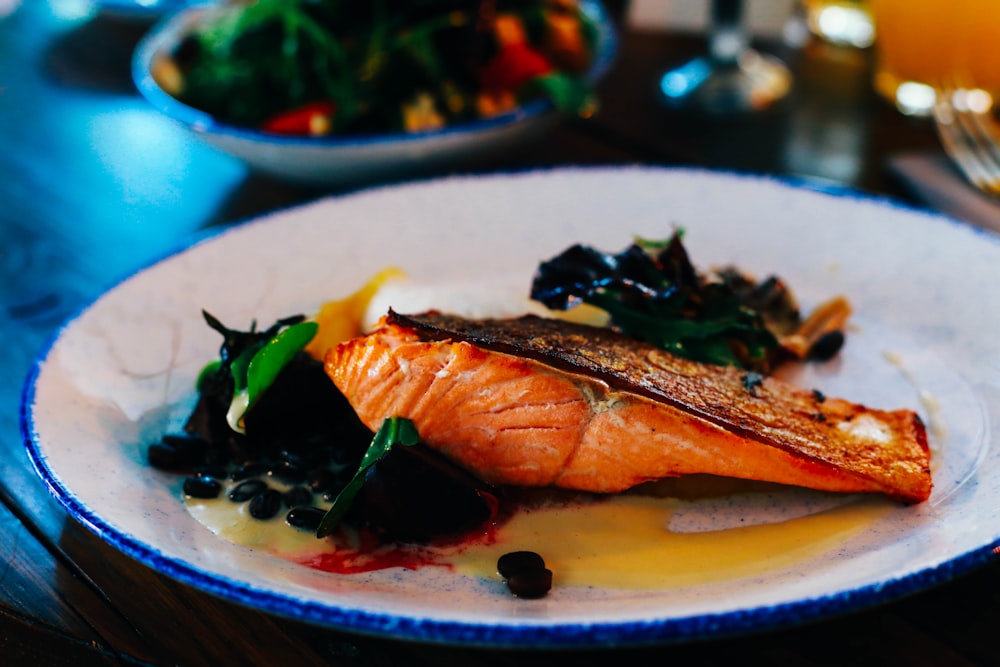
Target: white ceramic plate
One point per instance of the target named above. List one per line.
(337, 161)
(121, 373)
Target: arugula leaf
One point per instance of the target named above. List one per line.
(394, 431)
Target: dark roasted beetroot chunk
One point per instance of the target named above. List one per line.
(414, 494)
(208, 419)
(302, 410)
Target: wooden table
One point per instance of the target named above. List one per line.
(95, 185)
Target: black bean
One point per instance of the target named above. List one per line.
(186, 443)
(525, 574)
(218, 472)
(305, 516)
(314, 458)
(291, 458)
(298, 495)
(519, 561)
(826, 346)
(321, 480)
(287, 472)
(265, 504)
(165, 457)
(530, 584)
(248, 470)
(177, 452)
(246, 490)
(202, 487)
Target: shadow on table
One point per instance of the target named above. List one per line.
(96, 55)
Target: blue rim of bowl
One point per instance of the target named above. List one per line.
(569, 635)
(152, 10)
(164, 34)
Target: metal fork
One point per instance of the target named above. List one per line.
(970, 135)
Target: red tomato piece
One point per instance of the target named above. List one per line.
(311, 119)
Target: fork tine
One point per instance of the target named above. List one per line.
(970, 138)
(981, 141)
(982, 127)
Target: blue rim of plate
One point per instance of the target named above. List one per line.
(164, 34)
(568, 635)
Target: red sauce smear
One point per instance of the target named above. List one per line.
(366, 551)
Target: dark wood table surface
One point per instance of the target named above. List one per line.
(94, 185)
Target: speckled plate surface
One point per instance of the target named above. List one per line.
(926, 315)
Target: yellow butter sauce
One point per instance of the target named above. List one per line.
(626, 543)
(623, 542)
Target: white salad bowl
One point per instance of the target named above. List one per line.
(333, 161)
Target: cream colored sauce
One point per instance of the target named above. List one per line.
(624, 542)
(233, 522)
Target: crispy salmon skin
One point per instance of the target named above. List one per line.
(531, 401)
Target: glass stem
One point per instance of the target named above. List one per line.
(727, 37)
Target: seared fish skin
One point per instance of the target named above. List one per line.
(541, 402)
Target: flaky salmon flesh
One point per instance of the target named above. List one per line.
(541, 402)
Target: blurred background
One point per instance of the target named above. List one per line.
(93, 168)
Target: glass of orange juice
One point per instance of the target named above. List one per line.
(922, 45)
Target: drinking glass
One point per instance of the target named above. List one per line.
(732, 77)
(842, 22)
(923, 45)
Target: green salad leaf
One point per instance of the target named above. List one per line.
(250, 62)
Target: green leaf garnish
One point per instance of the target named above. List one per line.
(394, 431)
(653, 292)
(206, 374)
(258, 366)
(268, 362)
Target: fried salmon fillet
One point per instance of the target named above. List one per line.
(540, 402)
